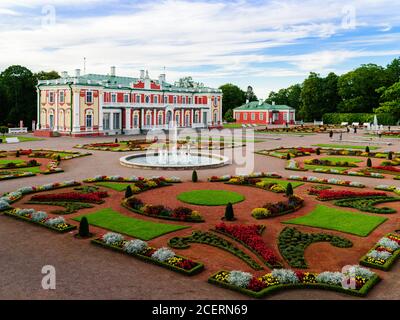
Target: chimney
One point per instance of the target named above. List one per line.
(247, 101)
(64, 74)
(161, 78)
(260, 102)
(147, 74)
(273, 103)
(77, 72)
(112, 71)
(141, 74)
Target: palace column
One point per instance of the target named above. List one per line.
(56, 112)
(101, 103)
(76, 112)
(128, 119)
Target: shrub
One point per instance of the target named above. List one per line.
(17, 154)
(112, 238)
(84, 228)
(239, 278)
(288, 156)
(289, 189)
(369, 163)
(194, 176)
(334, 278)
(367, 149)
(4, 205)
(38, 216)
(116, 140)
(318, 151)
(33, 163)
(260, 213)
(285, 276)
(134, 203)
(135, 246)
(58, 158)
(229, 215)
(128, 192)
(390, 155)
(163, 254)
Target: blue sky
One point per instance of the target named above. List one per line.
(266, 44)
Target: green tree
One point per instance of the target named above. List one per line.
(194, 176)
(18, 95)
(312, 98)
(390, 100)
(393, 70)
(43, 75)
(289, 189)
(229, 116)
(233, 97)
(330, 95)
(290, 96)
(128, 192)
(369, 163)
(84, 228)
(358, 88)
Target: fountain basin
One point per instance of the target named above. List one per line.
(174, 161)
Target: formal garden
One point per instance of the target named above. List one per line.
(24, 163)
(256, 234)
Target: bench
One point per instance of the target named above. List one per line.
(12, 140)
(355, 124)
(344, 124)
(18, 130)
(318, 123)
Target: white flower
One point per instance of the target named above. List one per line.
(334, 278)
(239, 278)
(163, 254)
(388, 243)
(55, 221)
(384, 255)
(135, 246)
(112, 238)
(285, 276)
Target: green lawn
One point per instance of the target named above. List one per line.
(30, 169)
(22, 138)
(344, 146)
(324, 217)
(4, 161)
(232, 125)
(116, 222)
(313, 167)
(117, 186)
(342, 159)
(283, 183)
(210, 197)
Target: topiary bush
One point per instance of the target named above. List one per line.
(367, 149)
(318, 151)
(289, 189)
(229, 215)
(194, 176)
(17, 154)
(84, 228)
(128, 192)
(390, 155)
(288, 157)
(369, 163)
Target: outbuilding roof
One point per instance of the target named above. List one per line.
(256, 106)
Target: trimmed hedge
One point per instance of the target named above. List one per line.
(292, 243)
(358, 293)
(215, 241)
(338, 118)
(387, 265)
(197, 269)
(68, 229)
(367, 204)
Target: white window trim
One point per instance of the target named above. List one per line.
(253, 116)
(126, 95)
(113, 95)
(175, 100)
(51, 97)
(61, 93)
(244, 116)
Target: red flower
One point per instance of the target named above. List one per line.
(93, 197)
(256, 285)
(387, 168)
(329, 194)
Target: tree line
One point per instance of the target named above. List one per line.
(369, 88)
(18, 94)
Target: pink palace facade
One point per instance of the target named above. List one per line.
(93, 104)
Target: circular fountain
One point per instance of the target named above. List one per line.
(174, 160)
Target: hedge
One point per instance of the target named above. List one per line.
(260, 294)
(338, 118)
(195, 270)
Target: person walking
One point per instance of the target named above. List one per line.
(340, 137)
(330, 134)
(355, 130)
(348, 129)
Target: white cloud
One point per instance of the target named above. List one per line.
(234, 39)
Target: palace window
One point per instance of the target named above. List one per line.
(62, 97)
(148, 119)
(165, 99)
(155, 99)
(177, 119)
(89, 120)
(261, 116)
(147, 99)
(244, 116)
(135, 121)
(160, 118)
(138, 98)
(116, 121)
(175, 99)
(189, 100)
(89, 97)
(253, 116)
(126, 97)
(113, 97)
(183, 100)
(106, 121)
(51, 97)
(196, 117)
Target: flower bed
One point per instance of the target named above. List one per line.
(211, 239)
(225, 178)
(294, 165)
(11, 197)
(250, 236)
(163, 257)
(94, 197)
(292, 243)
(361, 173)
(362, 279)
(383, 187)
(328, 194)
(275, 209)
(383, 255)
(53, 154)
(41, 218)
(7, 175)
(258, 183)
(132, 179)
(320, 162)
(385, 169)
(367, 204)
(332, 181)
(159, 211)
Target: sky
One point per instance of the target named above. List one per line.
(266, 44)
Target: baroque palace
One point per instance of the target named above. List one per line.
(93, 104)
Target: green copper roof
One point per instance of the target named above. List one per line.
(255, 105)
